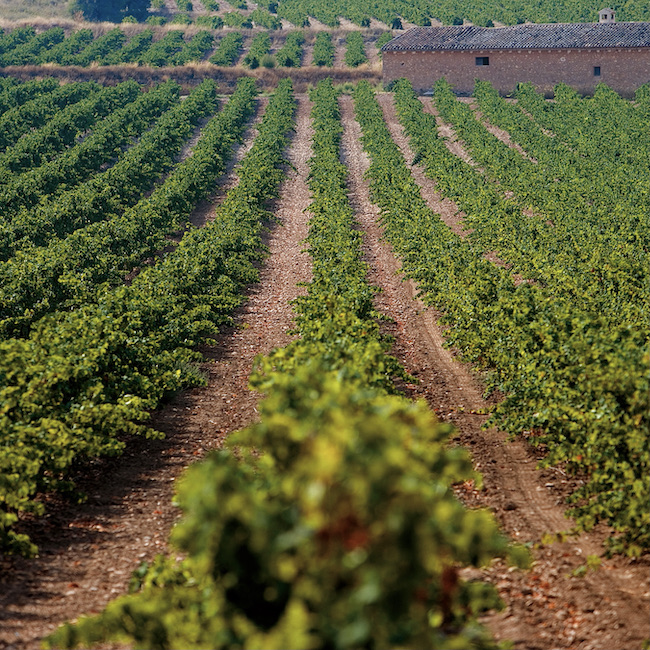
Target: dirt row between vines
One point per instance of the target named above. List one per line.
(89, 551)
(546, 607)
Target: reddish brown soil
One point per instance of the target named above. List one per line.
(504, 136)
(338, 40)
(308, 51)
(546, 607)
(88, 551)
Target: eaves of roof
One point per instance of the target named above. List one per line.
(527, 36)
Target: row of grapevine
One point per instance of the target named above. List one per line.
(605, 134)
(348, 538)
(40, 146)
(83, 375)
(448, 12)
(35, 113)
(354, 53)
(259, 48)
(15, 37)
(323, 54)
(263, 18)
(195, 50)
(107, 240)
(100, 47)
(30, 50)
(172, 49)
(13, 93)
(392, 13)
(572, 380)
(578, 237)
(290, 54)
(78, 163)
(228, 50)
(64, 51)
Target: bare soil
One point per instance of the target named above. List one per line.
(308, 52)
(338, 41)
(546, 607)
(497, 132)
(89, 551)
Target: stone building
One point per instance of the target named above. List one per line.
(579, 54)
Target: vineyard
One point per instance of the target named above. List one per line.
(158, 47)
(276, 34)
(140, 295)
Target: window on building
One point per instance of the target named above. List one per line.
(596, 71)
(482, 60)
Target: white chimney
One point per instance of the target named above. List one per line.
(607, 16)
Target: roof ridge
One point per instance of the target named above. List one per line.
(523, 36)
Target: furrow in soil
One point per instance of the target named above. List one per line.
(88, 551)
(546, 607)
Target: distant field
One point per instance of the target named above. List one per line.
(363, 13)
(22, 9)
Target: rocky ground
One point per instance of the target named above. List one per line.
(88, 552)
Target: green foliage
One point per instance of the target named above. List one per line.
(195, 50)
(323, 53)
(228, 50)
(237, 19)
(161, 52)
(290, 54)
(131, 51)
(77, 164)
(181, 19)
(83, 375)
(66, 268)
(16, 37)
(592, 250)
(31, 50)
(13, 95)
(210, 22)
(344, 539)
(421, 12)
(386, 37)
(332, 523)
(99, 48)
(62, 52)
(263, 18)
(259, 47)
(37, 112)
(355, 53)
(39, 146)
(642, 95)
(575, 377)
(110, 10)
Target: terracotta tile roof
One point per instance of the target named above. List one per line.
(528, 36)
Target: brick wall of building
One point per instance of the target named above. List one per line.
(622, 69)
